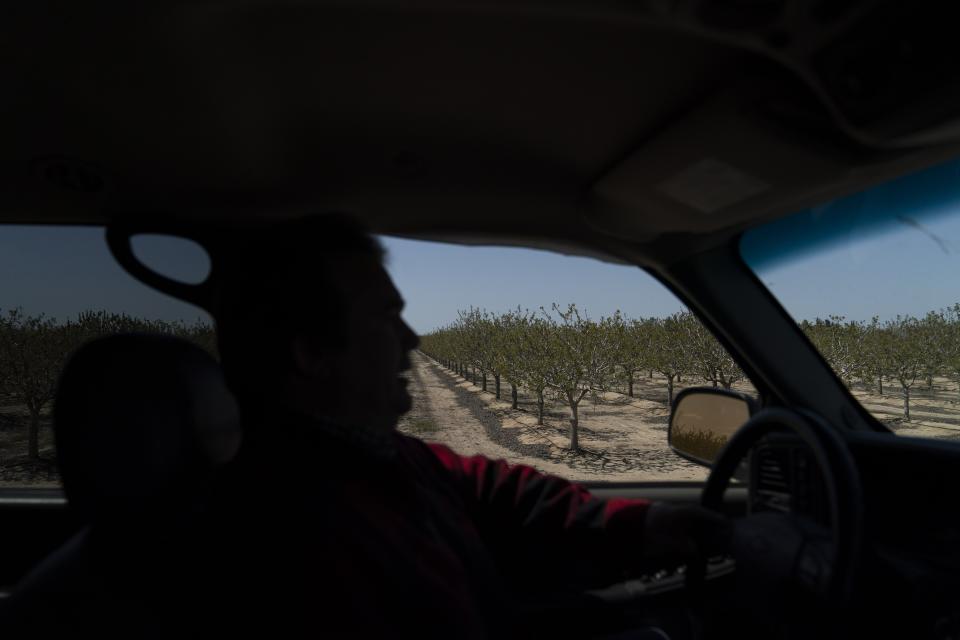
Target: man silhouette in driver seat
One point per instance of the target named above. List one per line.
(335, 521)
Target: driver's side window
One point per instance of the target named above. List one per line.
(565, 364)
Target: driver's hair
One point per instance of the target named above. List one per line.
(276, 284)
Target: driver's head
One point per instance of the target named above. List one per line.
(308, 320)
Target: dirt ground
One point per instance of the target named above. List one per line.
(622, 439)
(934, 410)
(16, 468)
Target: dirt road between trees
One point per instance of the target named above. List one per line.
(622, 439)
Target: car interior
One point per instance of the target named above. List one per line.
(651, 133)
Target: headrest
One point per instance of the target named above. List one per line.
(140, 423)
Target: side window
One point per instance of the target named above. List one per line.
(60, 289)
(566, 364)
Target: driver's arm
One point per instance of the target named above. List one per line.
(550, 525)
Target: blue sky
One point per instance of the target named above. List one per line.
(900, 271)
(438, 279)
(61, 271)
(892, 249)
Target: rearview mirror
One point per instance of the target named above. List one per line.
(702, 419)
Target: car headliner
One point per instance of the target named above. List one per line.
(646, 131)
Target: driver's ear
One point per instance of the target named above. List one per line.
(309, 359)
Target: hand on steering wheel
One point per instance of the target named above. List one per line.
(787, 547)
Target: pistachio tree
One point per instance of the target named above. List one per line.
(534, 355)
(907, 359)
(33, 350)
(669, 354)
(875, 360)
(582, 358)
(934, 330)
(951, 343)
(840, 342)
(508, 344)
(706, 356)
(635, 349)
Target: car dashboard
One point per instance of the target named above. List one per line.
(909, 572)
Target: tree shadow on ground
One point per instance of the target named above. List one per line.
(21, 470)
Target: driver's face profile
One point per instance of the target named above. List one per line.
(366, 366)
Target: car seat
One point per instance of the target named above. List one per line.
(142, 424)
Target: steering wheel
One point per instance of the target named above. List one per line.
(788, 545)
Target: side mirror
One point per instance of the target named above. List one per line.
(702, 419)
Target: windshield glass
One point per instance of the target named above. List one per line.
(872, 280)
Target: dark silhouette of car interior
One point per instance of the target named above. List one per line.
(142, 422)
(586, 128)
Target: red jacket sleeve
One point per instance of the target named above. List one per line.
(532, 520)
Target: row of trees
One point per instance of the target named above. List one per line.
(564, 353)
(903, 352)
(560, 353)
(33, 350)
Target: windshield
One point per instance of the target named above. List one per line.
(872, 280)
